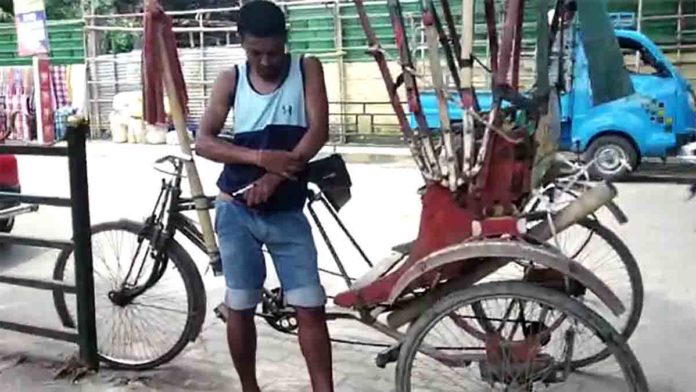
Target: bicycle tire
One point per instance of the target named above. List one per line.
(195, 293)
(616, 345)
(635, 279)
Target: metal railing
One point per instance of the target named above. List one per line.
(363, 122)
(86, 336)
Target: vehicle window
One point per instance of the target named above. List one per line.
(638, 60)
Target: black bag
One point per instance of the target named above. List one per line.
(331, 175)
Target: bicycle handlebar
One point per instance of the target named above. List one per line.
(175, 157)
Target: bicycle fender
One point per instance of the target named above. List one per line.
(542, 255)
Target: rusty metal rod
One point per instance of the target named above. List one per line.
(517, 50)
(507, 42)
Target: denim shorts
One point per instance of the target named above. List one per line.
(287, 235)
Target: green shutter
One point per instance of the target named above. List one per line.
(66, 41)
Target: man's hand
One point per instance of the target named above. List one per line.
(263, 189)
(282, 163)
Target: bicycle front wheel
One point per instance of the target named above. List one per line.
(137, 332)
(533, 335)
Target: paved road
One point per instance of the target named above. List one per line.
(384, 211)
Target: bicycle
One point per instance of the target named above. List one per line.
(573, 179)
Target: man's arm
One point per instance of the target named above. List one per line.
(207, 143)
(317, 105)
(209, 146)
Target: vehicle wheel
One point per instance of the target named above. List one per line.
(530, 349)
(601, 251)
(608, 153)
(152, 328)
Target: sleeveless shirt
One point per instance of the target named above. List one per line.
(274, 121)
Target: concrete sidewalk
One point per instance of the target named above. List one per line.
(204, 366)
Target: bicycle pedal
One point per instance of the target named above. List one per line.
(216, 266)
(390, 355)
(222, 312)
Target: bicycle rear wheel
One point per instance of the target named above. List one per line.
(152, 328)
(528, 349)
(601, 251)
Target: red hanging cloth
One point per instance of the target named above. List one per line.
(158, 26)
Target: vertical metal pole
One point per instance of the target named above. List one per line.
(640, 30)
(680, 28)
(338, 43)
(201, 65)
(84, 278)
(115, 67)
(467, 44)
(92, 74)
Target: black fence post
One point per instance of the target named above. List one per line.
(84, 278)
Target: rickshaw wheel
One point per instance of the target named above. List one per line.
(523, 351)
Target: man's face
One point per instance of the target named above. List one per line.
(568, 16)
(265, 55)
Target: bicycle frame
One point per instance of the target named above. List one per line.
(164, 228)
(167, 219)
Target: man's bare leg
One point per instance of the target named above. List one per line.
(241, 338)
(316, 347)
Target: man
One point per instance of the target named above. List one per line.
(566, 33)
(281, 121)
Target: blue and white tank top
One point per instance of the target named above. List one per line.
(274, 121)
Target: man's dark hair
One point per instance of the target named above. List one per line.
(571, 6)
(262, 19)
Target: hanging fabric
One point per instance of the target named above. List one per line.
(156, 24)
(59, 86)
(17, 115)
(609, 78)
(3, 103)
(77, 86)
(17, 106)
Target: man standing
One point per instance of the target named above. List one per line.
(566, 36)
(281, 121)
